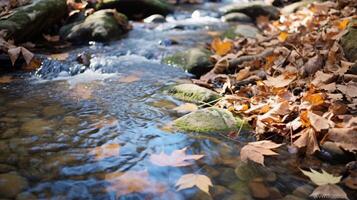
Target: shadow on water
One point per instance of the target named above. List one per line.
(53, 127)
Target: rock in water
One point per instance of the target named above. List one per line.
(30, 21)
(252, 9)
(137, 9)
(155, 19)
(237, 17)
(102, 26)
(195, 61)
(11, 184)
(349, 42)
(209, 120)
(193, 93)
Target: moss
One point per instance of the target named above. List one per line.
(193, 93)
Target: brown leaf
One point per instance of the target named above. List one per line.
(178, 158)
(350, 89)
(346, 138)
(51, 38)
(28, 56)
(308, 139)
(255, 151)
(14, 54)
(312, 65)
(243, 74)
(131, 182)
(329, 191)
(221, 47)
(191, 180)
(6, 79)
(319, 123)
(279, 81)
(59, 56)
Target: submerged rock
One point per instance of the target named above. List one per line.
(246, 30)
(195, 61)
(237, 17)
(155, 19)
(210, 120)
(102, 26)
(252, 9)
(193, 93)
(258, 189)
(349, 43)
(137, 9)
(30, 21)
(11, 184)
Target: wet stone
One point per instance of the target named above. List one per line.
(11, 184)
(292, 197)
(6, 168)
(303, 191)
(275, 193)
(155, 19)
(71, 120)
(227, 176)
(26, 196)
(51, 111)
(36, 126)
(258, 189)
(11, 132)
(219, 191)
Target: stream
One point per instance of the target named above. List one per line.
(53, 124)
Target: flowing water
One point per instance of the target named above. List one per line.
(55, 125)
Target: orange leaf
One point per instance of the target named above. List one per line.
(283, 36)
(315, 99)
(343, 24)
(221, 48)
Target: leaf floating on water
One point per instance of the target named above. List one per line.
(186, 108)
(329, 191)
(255, 151)
(59, 56)
(202, 182)
(177, 158)
(321, 178)
(221, 47)
(131, 182)
(106, 151)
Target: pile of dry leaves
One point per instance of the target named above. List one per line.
(292, 80)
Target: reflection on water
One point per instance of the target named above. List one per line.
(90, 136)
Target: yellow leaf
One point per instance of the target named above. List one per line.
(177, 158)
(321, 178)
(315, 99)
(221, 48)
(283, 36)
(343, 24)
(191, 180)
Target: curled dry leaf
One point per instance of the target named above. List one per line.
(202, 182)
(178, 158)
(255, 151)
(319, 123)
(345, 138)
(307, 138)
(131, 182)
(312, 65)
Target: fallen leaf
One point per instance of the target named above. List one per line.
(328, 191)
(178, 158)
(255, 151)
(307, 139)
(243, 74)
(14, 54)
(186, 108)
(312, 65)
(59, 56)
(319, 123)
(105, 151)
(345, 138)
(321, 178)
(221, 47)
(202, 182)
(51, 38)
(316, 99)
(283, 36)
(343, 24)
(6, 79)
(131, 182)
(28, 56)
(350, 89)
(279, 81)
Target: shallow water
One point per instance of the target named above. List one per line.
(53, 123)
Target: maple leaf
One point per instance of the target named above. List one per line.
(321, 178)
(255, 151)
(15, 52)
(105, 151)
(202, 182)
(221, 47)
(131, 182)
(178, 158)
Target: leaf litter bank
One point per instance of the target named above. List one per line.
(293, 83)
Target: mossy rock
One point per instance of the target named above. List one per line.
(210, 120)
(349, 43)
(137, 9)
(193, 93)
(195, 61)
(237, 17)
(28, 22)
(252, 9)
(102, 26)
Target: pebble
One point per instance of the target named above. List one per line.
(51, 111)
(36, 126)
(71, 120)
(258, 189)
(11, 184)
(303, 191)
